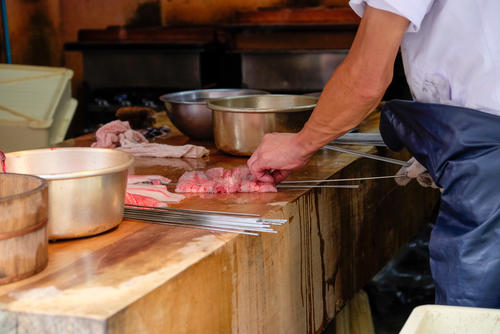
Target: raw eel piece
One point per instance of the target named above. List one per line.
(217, 173)
(158, 192)
(154, 179)
(135, 199)
(195, 182)
(220, 180)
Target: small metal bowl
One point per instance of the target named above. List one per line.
(86, 186)
(189, 112)
(240, 122)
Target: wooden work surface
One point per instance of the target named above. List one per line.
(146, 278)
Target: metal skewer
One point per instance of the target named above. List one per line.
(194, 218)
(206, 225)
(341, 180)
(184, 221)
(199, 211)
(281, 185)
(205, 218)
(361, 139)
(367, 155)
(215, 229)
(227, 216)
(343, 186)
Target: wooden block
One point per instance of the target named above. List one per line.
(147, 278)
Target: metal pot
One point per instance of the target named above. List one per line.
(189, 112)
(86, 186)
(241, 122)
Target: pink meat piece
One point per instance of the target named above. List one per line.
(194, 182)
(215, 173)
(243, 173)
(229, 183)
(158, 192)
(112, 135)
(220, 180)
(154, 179)
(134, 199)
(266, 187)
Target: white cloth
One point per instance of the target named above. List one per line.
(157, 150)
(451, 50)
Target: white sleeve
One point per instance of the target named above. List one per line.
(414, 11)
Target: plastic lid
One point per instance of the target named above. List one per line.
(30, 94)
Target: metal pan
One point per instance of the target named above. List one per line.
(86, 186)
(241, 122)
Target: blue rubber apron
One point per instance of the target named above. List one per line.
(460, 148)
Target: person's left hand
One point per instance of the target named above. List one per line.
(415, 170)
(277, 155)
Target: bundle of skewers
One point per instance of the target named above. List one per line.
(241, 223)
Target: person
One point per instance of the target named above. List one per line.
(450, 51)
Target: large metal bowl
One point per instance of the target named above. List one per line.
(189, 112)
(86, 186)
(241, 122)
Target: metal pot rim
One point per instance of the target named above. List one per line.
(43, 184)
(173, 97)
(79, 174)
(212, 104)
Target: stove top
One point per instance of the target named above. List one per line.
(102, 104)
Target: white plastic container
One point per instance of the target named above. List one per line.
(36, 107)
(438, 319)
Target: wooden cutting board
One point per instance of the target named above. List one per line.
(146, 278)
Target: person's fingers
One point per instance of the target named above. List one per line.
(280, 175)
(263, 176)
(259, 171)
(252, 158)
(425, 180)
(402, 180)
(401, 176)
(415, 169)
(403, 171)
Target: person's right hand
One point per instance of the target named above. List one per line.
(277, 155)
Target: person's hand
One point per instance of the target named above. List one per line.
(415, 171)
(277, 155)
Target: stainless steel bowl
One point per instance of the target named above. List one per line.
(241, 122)
(86, 186)
(189, 112)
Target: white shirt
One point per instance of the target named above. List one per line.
(451, 50)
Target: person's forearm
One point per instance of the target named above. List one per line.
(344, 103)
(359, 83)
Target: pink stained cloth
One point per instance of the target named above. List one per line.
(135, 199)
(116, 133)
(158, 192)
(165, 151)
(141, 192)
(220, 180)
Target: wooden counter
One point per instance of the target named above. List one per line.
(146, 278)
